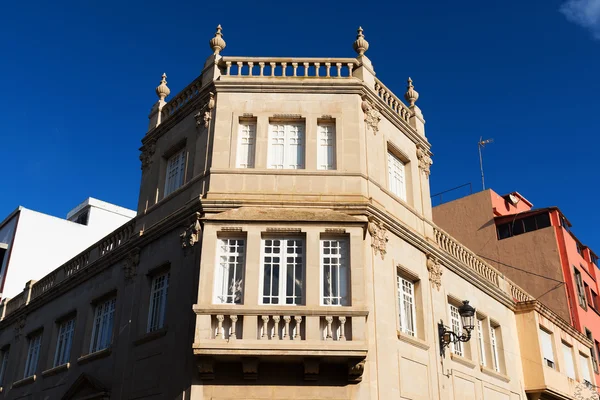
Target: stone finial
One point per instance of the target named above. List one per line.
(360, 44)
(217, 44)
(163, 90)
(411, 94)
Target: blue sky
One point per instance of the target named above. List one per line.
(79, 78)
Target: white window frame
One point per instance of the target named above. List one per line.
(326, 146)
(157, 306)
(584, 364)
(285, 139)
(103, 326)
(64, 341)
(494, 345)
(481, 342)
(282, 297)
(407, 314)
(456, 326)
(33, 355)
(175, 172)
(4, 364)
(335, 271)
(567, 351)
(246, 150)
(547, 345)
(230, 270)
(396, 175)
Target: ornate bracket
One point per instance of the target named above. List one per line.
(435, 271)
(206, 367)
(311, 369)
(379, 237)
(130, 264)
(355, 370)
(250, 368)
(205, 114)
(191, 235)
(148, 151)
(425, 160)
(372, 116)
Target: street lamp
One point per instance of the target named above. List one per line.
(447, 335)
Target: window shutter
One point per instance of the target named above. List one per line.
(246, 148)
(568, 356)
(481, 342)
(396, 171)
(585, 369)
(326, 150)
(276, 146)
(456, 326)
(546, 341)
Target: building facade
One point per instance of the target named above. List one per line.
(19, 233)
(534, 247)
(284, 248)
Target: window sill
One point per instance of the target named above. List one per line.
(56, 370)
(150, 336)
(94, 356)
(462, 360)
(25, 381)
(491, 372)
(415, 341)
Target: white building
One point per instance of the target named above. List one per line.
(32, 244)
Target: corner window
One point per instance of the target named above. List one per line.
(283, 271)
(286, 145)
(175, 172)
(406, 305)
(335, 268)
(158, 302)
(64, 342)
(229, 275)
(246, 144)
(3, 363)
(102, 331)
(33, 354)
(326, 142)
(547, 348)
(397, 177)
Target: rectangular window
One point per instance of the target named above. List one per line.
(594, 259)
(283, 271)
(3, 364)
(63, 344)
(158, 301)
(229, 276)
(568, 356)
(594, 300)
(494, 330)
(396, 176)
(326, 150)
(286, 145)
(456, 325)
(406, 305)
(589, 335)
(588, 295)
(547, 348)
(580, 289)
(585, 368)
(480, 342)
(246, 144)
(334, 266)
(175, 172)
(579, 248)
(102, 331)
(33, 354)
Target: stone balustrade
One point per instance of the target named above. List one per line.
(393, 102)
(288, 67)
(44, 284)
(182, 98)
(117, 238)
(518, 294)
(14, 303)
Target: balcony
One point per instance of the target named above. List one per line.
(294, 334)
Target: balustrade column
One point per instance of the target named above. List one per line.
(298, 333)
(339, 69)
(306, 65)
(286, 328)
(220, 334)
(317, 66)
(276, 319)
(234, 319)
(265, 332)
(262, 67)
(342, 328)
(329, 320)
(272, 68)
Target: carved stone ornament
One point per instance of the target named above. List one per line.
(205, 113)
(250, 368)
(425, 160)
(130, 264)
(191, 235)
(311, 369)
(435, 271)
(20, 324)
(585, 391)
(372, 116)
(355, 370)
(147, 152)
(379, 237)
(206, 367)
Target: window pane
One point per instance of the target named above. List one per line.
(283, 283)
(504, 231)
(175, 172)
(246, 146)
(456, 328)
(396, 176)
(542, 220)
(569, 365)
(230, 271)
(529, 223)
(326, 150)
(334, 264)
(547, 348)
(286, 146)
(158, 302)
(480, 342)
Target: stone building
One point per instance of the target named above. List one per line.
(283, 248)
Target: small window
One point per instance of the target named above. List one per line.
(547, 348)
(542, 220)
(494, 338)
(580, 289)
(334, 266)
(593, 257)
(579, 248)
(589, 335)
(406, 305)
(33, 354)
(594, 300)
(588, 294)
(175, 172)
(529, 223)
(456, 325)
(158, 302)
(102, 331)
(481, 342)
(397, 177)
(326, 142)
(3, 364)
(504, 231)
(286, 145)
(229, 276)
(568, 356)
(64, 342)
(283, 271)
(246, 144)
(584, 364)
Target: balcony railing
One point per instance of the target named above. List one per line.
(288, 67)
(393, 102)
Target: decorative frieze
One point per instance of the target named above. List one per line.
(425, 160)
(284, 230)
(231, 229)
(130, 264)
(148, 151)
(379, 237)
(335, 230)
(436, 270)
(372, 115)
(191, 235)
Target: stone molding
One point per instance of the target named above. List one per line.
(191, 235)
(204, 116)
(148, 151)
(425, 160)
(436, 271)
(372, 116)
(379, 237)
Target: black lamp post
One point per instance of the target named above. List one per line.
(447, 335)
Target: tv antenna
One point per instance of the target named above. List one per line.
(481, 144)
